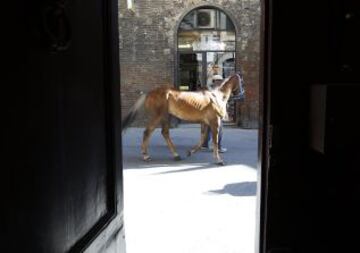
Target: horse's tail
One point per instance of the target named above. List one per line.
(131, 115)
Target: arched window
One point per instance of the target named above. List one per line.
(206, 47)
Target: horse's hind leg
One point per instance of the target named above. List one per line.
(166, 134)
(204, 129)
(146, 137)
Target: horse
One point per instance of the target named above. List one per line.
(207, 107)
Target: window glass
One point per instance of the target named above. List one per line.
(206, 40)
(188, 22)
(219, 63)
(206, 47)
(191, 71)
(200, 19)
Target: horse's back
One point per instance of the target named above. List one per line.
(188, 105)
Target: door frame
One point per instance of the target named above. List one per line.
(112, 224)
(265, 128)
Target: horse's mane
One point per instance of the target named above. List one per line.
(225, 81)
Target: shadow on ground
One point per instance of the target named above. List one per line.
(238, 189)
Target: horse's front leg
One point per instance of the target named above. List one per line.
(196, 148)
(215, 137)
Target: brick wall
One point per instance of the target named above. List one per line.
(148, 53)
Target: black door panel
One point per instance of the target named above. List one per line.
(65, 189)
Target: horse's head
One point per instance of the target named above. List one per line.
(233, 85)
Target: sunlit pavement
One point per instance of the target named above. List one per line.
(190, 206)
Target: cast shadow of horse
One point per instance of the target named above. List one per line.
(238, 189)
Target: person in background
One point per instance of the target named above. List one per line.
(216, 81)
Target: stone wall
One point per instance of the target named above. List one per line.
(148, 48)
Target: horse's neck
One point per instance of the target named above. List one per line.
(221, 97)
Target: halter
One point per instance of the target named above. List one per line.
(242, 90)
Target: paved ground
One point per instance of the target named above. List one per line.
(190, 206)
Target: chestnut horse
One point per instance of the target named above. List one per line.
(207, 107)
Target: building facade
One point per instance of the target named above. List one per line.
(183, 43)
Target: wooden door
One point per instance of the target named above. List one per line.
(309, 197)
(63, 184)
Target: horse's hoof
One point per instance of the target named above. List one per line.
(177, 158)
(188, 153)
(220, 163)
(147, 158)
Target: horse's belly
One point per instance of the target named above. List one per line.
(187, 114)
